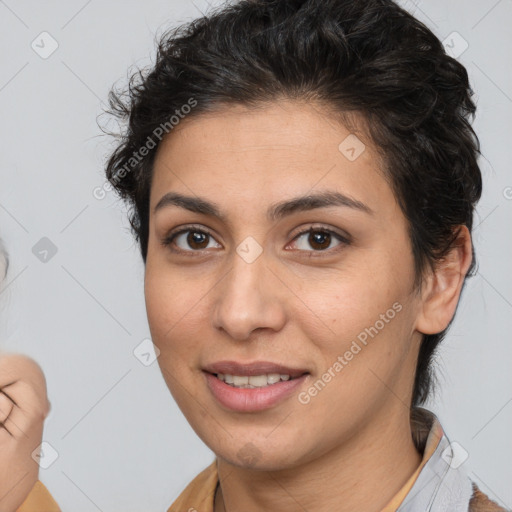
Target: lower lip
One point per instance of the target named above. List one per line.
(251, 399)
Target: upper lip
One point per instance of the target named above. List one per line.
(251, 369)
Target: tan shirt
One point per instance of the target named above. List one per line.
(427, 433)
(39, 500)
(199, 495)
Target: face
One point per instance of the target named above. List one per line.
(249, 284)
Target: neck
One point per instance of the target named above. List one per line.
(362, 474)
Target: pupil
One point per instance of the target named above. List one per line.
(196, 238)
(319, 236)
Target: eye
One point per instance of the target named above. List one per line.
(320, 239)
(190, 239)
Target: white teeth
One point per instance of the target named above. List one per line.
(272, 378)
(258, 381)
(254, 381)
(240, 380)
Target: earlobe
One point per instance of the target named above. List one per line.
(443, 286)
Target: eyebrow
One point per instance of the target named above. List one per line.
(275, 212)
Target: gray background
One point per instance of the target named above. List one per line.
(122, 443)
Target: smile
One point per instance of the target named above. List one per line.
(253, 381)
(252, 387)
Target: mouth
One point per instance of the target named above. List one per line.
(254, 386)
(253, 381)
(256, 374)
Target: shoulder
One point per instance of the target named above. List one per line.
(480, 502)
(39, 499)
(199, 494)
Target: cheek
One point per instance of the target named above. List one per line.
(170, 303)
(345, 304)
(362, 337)
(364, 364)
(172, 307)
(360, 322)
(172, 296)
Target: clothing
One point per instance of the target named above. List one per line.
(39, 500)
(439, 484)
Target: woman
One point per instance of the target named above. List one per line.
(302, 177)
(305, 221)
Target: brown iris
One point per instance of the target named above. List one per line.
(319, 237)
(199, 238)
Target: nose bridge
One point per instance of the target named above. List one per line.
(246, 300)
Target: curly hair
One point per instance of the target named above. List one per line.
(365, 57)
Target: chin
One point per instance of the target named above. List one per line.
(258, 456)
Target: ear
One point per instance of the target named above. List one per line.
(441, 289)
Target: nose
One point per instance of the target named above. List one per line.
(249, 297)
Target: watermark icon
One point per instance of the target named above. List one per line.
(146, 352)
(507, 193)
(44, 250)
(455, 455)
(351, 147)
(150, 143)
(45, 455)
(249, 454)
(343, 360)
(44, 45)
(249, 249)
(455, 45)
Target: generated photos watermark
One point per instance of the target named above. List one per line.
(151, 142)
(305, 397)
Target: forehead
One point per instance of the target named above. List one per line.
(264, 154)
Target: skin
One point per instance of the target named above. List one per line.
(350, 447)
(24, 406)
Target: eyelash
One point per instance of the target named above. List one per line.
(312, 229)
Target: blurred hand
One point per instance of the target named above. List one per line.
(24, 406)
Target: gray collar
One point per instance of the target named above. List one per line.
(442, 485)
